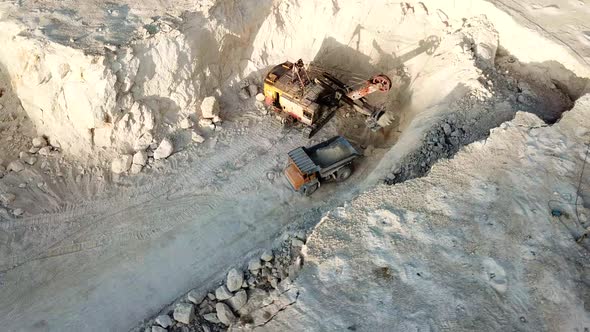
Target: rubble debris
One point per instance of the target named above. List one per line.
(234, 280)
(122, 164)
(164, 321)
(18, 212)
(184, 313)
(237, 301)
(209, 107)
(164, 150)
(222, 293)
(206, 123)
(15, 166)
(211, 296)
(39, 142)
(224, 314)
(27, 158)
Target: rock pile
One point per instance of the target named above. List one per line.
(246, 298)
(144, 156)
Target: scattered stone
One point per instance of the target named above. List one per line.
(122, 164)
(156, 328)
(216, 120)
(222, 293)
(211, 296)
(136, 169)
(27, 158)
(224, 314)
(212, 318)
(164, 321)
(164, 150)
(254, 265)
(197, 138)
(447, 129)
(267, 256)
(195, 296)
(18, 212)
(252, 90)
(7, 198)
(186, 123)
(238, 300)
(22, 185)
(184, 313)
(297, 243)
(33, 150)
(274, 283)
(15, 166)
(268, 265)
(244, 93)
(209, 107)
(521, 99)
(205, 123)
(39, 142)
(234, 280)
(205, 328)
(45, 151)
(260, 97)
(140, 158)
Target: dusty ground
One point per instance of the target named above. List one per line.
(95, 251)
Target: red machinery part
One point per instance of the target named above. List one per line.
(383, 81)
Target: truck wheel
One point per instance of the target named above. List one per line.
(343, 173)
(310, 189)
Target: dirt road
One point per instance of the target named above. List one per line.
(107, 264)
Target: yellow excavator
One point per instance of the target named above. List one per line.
(313, 99)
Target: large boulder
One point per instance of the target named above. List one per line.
(234, 281)
(209, 107)
(164, 150)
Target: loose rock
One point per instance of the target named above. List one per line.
(45, 151)
(253, 90)
(164, 150)
(164, 321)
(205, 123)
(195, 296)
(158, 329)
(197, 138)
(209, 107)
(222, 293)
(7, 198)
(121, 164)
(224, 313)
(267, 256)
(244, 93)
(15, 166)
(234, 280)
(39, 142)
(212, 318)
(184, 313)
(254, 265)
(185, 123)
(18, 212)
(140, 158)
(238, 300)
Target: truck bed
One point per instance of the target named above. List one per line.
(325, 156)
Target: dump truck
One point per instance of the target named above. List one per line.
(330, 160)
(312, 97)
